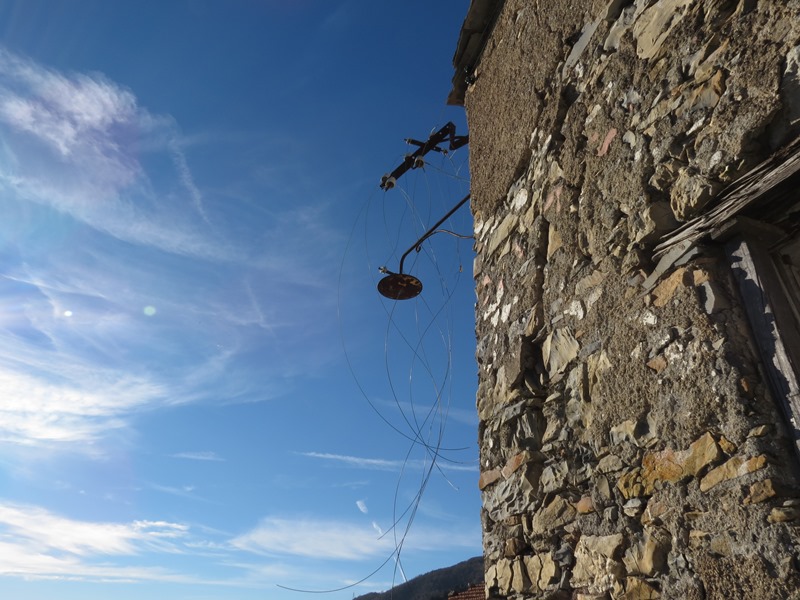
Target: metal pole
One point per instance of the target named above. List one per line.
(432, 230)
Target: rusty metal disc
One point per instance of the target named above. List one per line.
(399, 286)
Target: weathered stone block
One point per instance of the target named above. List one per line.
(556, 514)
(648, 554)
(735, 467)
(597, 567)
(558, 350)
(487, 478)
(761, 491)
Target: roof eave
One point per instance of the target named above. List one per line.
(478, 25)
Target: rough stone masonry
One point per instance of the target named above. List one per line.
(629, 445)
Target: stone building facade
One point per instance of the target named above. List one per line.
(631, 443)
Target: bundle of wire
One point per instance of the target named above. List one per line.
(412, 341)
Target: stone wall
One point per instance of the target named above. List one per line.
(629, 445)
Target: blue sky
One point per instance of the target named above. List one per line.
(202, 395)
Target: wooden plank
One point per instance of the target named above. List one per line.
(781, 171)
(766, 309)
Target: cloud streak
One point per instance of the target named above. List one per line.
(33, 411)
(381, 464)
(72, 143)
(38, 544)
(205, 455)
(323, 539)
(128, 286)
(44, 531)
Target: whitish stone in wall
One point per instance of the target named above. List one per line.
(655, 24)
(735, 467)
(706, 95)
(633, 507)
(559, 349)
(504, 575)
(596, 567)
(583, 41)
(575, 309)
(618, 29)
(656, 220)
(790, 511)
(520, 199)
(502, 232)
(610, 463)
(491, 575)
(596, 365)
(647, 555)
(690, 192)
(554, 476)
(519, 579)
(542, 570)
(624, 432)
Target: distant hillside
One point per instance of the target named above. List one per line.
(434, 585)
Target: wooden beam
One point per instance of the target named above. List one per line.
(770, 319)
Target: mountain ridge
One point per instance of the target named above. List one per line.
(436, 584)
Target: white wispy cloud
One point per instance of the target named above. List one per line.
(43, 531)
(36, 543)
(323, 539)
(205, 455)
(312, 538)
(362, 506)
(126, 288)
(73, 143)
(441, 412)
(33, 411)
(70, 114)
(381, 464)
